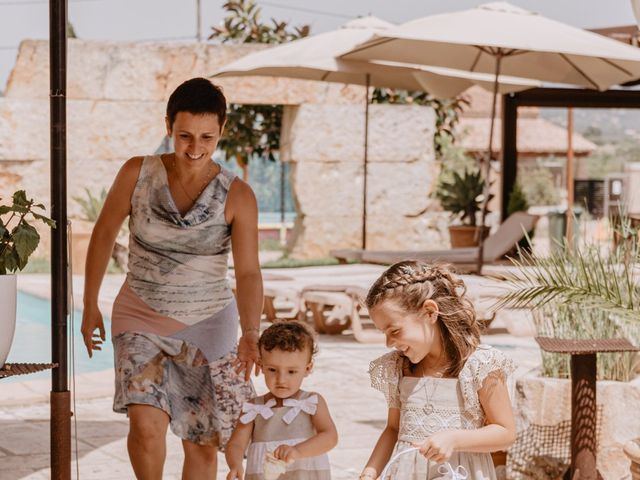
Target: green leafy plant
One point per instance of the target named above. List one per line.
(581, 293)
(462, 195)
(18, 238)
(91, 205)
(518, 203)
(252, 130)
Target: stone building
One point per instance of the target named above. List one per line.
(117, 93)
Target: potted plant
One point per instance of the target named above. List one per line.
(18, 240)
(578, 293)
(462, 196)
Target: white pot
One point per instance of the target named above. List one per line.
(8, 295)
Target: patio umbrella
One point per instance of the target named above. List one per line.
(314, 58)
(500, 38)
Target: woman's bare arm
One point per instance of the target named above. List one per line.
(384, 447)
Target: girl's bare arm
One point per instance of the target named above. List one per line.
(500, 430)
(384, 447)
(237, 445)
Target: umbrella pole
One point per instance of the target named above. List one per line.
(366, 162)
(60, 434)
(570, 190)
(486, 191)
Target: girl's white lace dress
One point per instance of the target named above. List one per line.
(428, 405)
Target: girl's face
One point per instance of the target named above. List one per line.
(413, 334)
(195, 137)
(284, 371)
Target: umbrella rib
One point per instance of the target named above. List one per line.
(477, 59)
(579, 70)
(374, 43)
(614, 65)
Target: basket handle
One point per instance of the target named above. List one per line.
(458, 473)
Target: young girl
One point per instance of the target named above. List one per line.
(446, 392)
(287, 424)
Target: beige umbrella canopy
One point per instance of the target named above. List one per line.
(532, 46)
(500, 38)
(314, 58)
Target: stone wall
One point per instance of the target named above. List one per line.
(117, 93)
(325, 146)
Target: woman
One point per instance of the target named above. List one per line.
(175, 320)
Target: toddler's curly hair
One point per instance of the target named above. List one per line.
(288, 336)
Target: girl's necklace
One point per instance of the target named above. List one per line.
(204, 183)
(429, 408)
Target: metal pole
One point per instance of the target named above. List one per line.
(283, 228)
(60, 397)
(486, 191)
(199, 20)
(366, 161)
(570, 192)
(583, 418)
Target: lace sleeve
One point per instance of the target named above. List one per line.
(385, 373)
(479, 365)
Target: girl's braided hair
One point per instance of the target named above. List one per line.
(410, 283)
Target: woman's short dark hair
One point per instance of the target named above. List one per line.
(197, 96)
(288, 336)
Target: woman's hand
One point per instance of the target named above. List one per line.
(92, 321)
(286, 453)
(236, 473)
(248, 354)
(439, 447)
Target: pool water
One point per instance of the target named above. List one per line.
(32, 340)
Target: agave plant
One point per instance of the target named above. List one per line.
(581, 293)
(462, 195)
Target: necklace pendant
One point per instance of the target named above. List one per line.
(428, 409)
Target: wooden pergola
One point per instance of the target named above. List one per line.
(549, 97)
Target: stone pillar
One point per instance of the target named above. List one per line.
(324, 144)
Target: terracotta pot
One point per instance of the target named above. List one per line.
(8, 295)
(462, 236)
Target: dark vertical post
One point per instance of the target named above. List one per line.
(366, 164)
(583, 417)
(509, 150)
(60, 398)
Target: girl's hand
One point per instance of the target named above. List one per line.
(439, 447)
(286, 453)
(236, 473)
(92, 321)
(248, 354)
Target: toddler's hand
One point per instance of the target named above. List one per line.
(286, 453)
(236, 473)
(438, 447)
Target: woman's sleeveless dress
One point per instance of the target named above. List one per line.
(175, 320)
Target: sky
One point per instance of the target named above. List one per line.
(175, 20)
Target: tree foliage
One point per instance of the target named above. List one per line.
(252, 130)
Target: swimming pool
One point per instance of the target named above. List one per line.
(32, 339)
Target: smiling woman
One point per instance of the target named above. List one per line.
(175, 321)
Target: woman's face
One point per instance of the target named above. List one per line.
(195, 137)
(413, 334)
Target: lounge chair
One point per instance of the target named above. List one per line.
(496, 246)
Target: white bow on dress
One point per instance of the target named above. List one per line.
(252, 410)
(308, 405)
